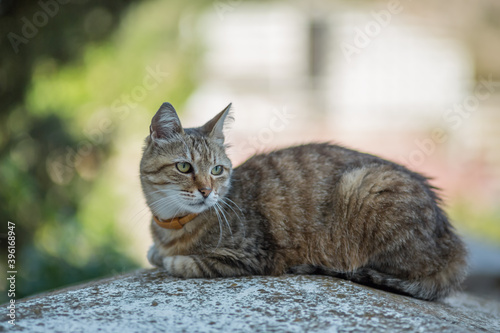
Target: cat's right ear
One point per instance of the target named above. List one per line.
(165, 123)
(214, 127)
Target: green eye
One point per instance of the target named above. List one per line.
(183, 167)
(217, 170)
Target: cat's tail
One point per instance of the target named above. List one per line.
(429, 288)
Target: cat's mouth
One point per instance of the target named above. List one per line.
(198, 204)
(202, 204)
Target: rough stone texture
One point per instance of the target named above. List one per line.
(148, 300)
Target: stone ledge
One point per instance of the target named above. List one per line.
(149, 300)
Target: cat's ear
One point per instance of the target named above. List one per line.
(165, 123)
(214, 127)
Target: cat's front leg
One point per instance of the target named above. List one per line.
(195, 266)
(178, 266)
(183, 266)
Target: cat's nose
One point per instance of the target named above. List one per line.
(205, 191)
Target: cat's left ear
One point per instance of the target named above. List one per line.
(213, 128)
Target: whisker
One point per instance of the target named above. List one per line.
(158, 204)
(234, 203)
(225, 218)
(142, 212)
(220, 228)
(229, 206)
(162, 201)
(164, 190)
(222, 200)
(162, 198)
(131, 209)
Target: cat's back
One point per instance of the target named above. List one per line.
(298, 169)
(297, 183)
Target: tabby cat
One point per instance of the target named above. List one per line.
(316, 208)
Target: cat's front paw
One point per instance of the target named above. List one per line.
(182, 266)
(154, 257)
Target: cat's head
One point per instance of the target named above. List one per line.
(184, 170)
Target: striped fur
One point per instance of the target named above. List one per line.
(316, 208)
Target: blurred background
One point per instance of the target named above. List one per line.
(414, 82)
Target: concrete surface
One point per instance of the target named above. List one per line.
(150, 301)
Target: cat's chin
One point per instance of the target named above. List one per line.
(200, 208)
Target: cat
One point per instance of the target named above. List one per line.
(315, 208)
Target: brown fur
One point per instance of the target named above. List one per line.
(316, 208)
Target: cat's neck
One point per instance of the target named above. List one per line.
(175, 223)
